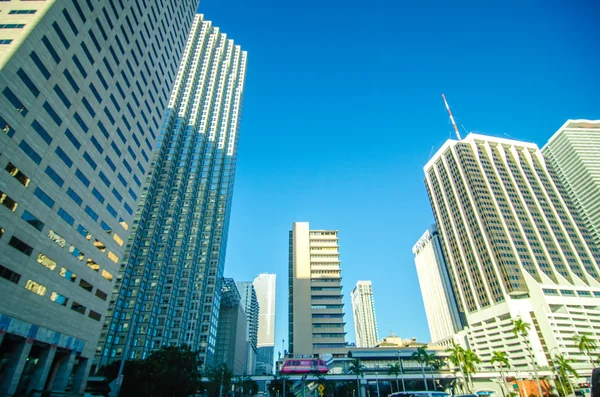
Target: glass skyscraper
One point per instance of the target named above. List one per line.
(169, 284)
(83, 87)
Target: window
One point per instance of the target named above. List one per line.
(5, 41)
(72, 138)
(9, 275)
(89, 107)
(6, 128)
(20, 245)
(102, 295)
(91, 213)
(11, 12)
(98, 196)
(61, 36)
(63, 156)
(51, 49)
(79, 308)
(58, 298)
(82, 178)
(66, 216)
(45, 261)
(52, 113)
(83, 231)
(97, 145)
(25, 78)
(104, 178)
(106, 275)
(110, 163)
(40, 65)
(17, 174)
(62, 96)
(94, 316)
(54, 176)
(39, 193)
(69, 275)
(6, 201)
(28, 150)
(85, 285)
(89, 160)
(117, 195)
(81, 123)
(17, 104)
(32, 220)
(11, 25)
(122, 180)
(128, 209)
(41, 132)
(71, 80)
(111, 211)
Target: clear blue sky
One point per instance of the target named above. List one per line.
(343, 107)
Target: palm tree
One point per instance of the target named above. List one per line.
(564, 368)
(422, 357)
(586, 345)
(395, 370)
(356, 368)
(521, 328)
(501, 358)
(457, 357)
(470, 360)
(434, 363)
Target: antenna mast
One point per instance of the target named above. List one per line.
(451, 118)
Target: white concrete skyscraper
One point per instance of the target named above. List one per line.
(84, 85)
(573, 153)
(316, 311)
(265, 286)
(513, 250)
(169, 285)
(363, 310)
(441, 310)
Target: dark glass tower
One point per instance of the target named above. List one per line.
(169, 284)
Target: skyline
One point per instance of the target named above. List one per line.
(362, 142)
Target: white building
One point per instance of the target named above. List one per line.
(363, 310)
(83, 89)
(572, 152)
(513, 250)
(265, 286)
(441, 310)
(316, 311)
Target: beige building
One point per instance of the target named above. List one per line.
(573, 153)
(316, 311)
(513, 250)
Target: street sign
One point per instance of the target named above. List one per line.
(321, 388)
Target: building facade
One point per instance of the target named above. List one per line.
(84, 86)
(232, 342)
(251, 308)
(572, 153)
(265, 286)
(513, 250)
(316, 311)
(363, 309)
(169, 285)
(443, 316)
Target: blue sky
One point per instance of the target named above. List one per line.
(343, 107)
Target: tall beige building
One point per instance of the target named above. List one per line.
(363, 310)
(316, 311)
(513, 250)
(84, 86)
(573, 153)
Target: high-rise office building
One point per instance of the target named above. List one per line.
(363, 310)
(265, 286)
(572, 154)
(513, 249)
(232, 344)
(251, 308)
(169, 283)
(84, 85)
(316, 311)
(442, 313)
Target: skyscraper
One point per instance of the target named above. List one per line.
(363, 309)
(232, 344)
(513, 249)
(251, 308)
(266, 287)
(438, 296)
(316, 311)
(83, 86)
(572, 154)
(169, 284)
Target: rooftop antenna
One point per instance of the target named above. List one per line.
(452, 118)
